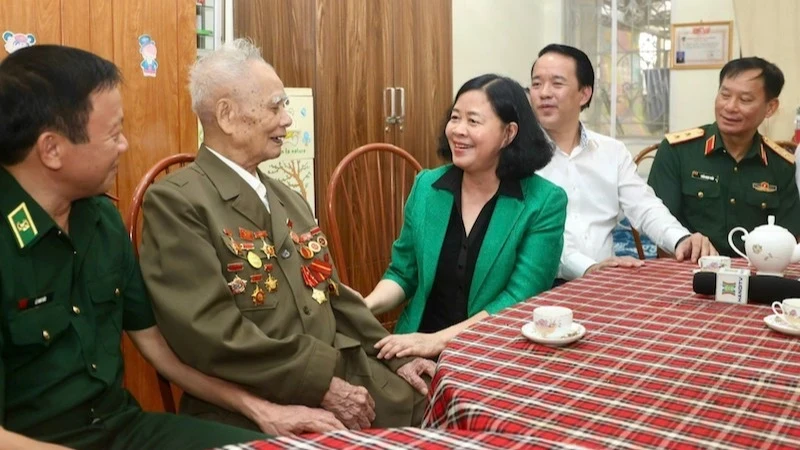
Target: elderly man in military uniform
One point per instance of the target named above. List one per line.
(244, 286)
(726, 174)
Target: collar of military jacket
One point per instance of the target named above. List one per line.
(713, 143)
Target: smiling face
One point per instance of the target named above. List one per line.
(741, 104)
(555, 93)
(476, 134)
(261, 116)
(90, 168)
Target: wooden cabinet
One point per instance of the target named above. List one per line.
(158, 116)
(352, 53)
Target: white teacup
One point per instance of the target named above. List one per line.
(789, 311)
(552, 321)
(714, 263)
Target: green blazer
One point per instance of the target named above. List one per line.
(518, 259)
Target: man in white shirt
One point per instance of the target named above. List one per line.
(597, 172)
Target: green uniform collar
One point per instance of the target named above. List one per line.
(29, 222)
(714, 143)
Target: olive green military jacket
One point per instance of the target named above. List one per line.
(231, 285)
(710, 193)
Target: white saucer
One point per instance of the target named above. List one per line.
(575, 333)
(779, 325)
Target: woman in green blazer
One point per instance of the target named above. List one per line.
(480, 234)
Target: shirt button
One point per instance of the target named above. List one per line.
(94, 366)
(59, 232)
(700, 194)
(733, 201)
(45, 335)
(736, 169)
(75, 253)
(306, 310)
(763, 206)
(116, 292)
(76, 310)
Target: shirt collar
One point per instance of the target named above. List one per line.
(451, 181)
(583, 141)
(714, 144)
(251, 180)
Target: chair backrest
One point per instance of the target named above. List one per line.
(647, 154)
(160, 169)
(365, 200)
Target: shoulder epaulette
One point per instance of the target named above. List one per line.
(684, 136)
(775, 147)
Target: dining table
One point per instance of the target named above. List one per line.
(407, 438)
(658, 367)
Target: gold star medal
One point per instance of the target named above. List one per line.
(318, 295)
(272, 283)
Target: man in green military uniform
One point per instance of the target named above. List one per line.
(69, 282)
(725, 174)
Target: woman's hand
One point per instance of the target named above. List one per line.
(426, 345)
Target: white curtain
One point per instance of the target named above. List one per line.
(771, 29)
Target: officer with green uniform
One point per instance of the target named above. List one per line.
(726, 174)
(69, 282)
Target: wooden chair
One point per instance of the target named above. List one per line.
(365, 200)
(648, 153)
(133, 223)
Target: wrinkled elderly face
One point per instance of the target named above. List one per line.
(261, 117)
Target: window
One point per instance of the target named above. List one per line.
(631, 92)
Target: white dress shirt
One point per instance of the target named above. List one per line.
(251, 180)
(601, 182)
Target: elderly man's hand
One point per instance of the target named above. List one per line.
(693, 247)
(412, 370)
(412, 344)
(290, 420)
(352, 405)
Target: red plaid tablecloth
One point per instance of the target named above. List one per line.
(658, 367)
(403, 438)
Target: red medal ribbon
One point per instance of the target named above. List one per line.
(315, 230)
(321, 267)
(261, 234)
(255, 278)
(235, 267)
(246, 234)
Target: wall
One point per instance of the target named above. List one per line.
(692, 92)
(502, 36)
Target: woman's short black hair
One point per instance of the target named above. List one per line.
(530, 150)
(48, 87)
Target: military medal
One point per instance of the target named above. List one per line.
(234, 247)
(271, 283)
(269, 250)
(237, 285)
(295, 237)
(258, 296)
(333, 288)
(254, 260)
(235, 267)
(314, 246)
(322, 241)
(318, 295)
(306, 252)
(321, 268)
(255, 278)
(305, 237)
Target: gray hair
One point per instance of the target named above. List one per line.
(214, 73)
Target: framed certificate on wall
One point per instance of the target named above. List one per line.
(701, 45)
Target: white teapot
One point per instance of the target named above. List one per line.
(770, 248)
